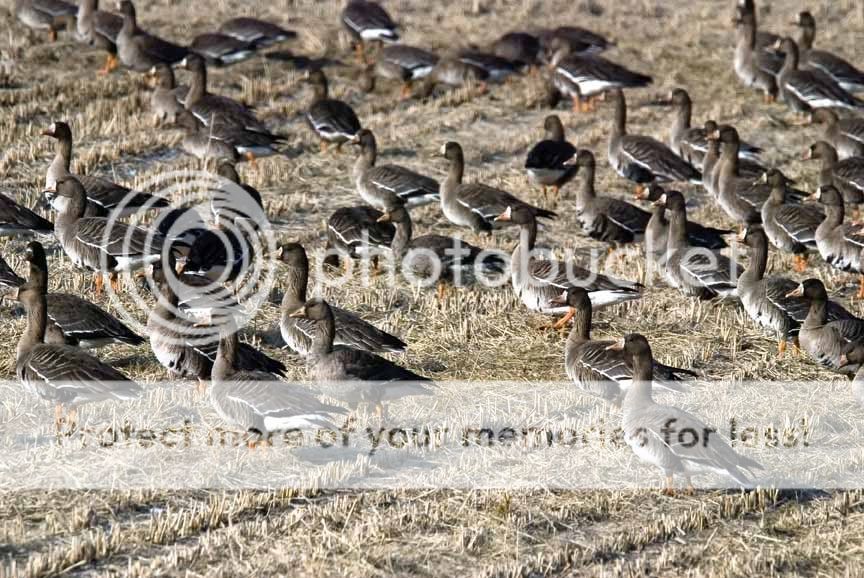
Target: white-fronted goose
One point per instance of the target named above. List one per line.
(221, 49)
(453, 73)
(844, 134)
(388, 186)
(353, 375)
(255, 31)
(227, 170)
(767, 300)
(139, 50)
(333, 121)
(443, 260)
(50, 15)
(18, 220)
(102, 244)
(536, 282)
(404, 64)
(518, 47)
(839, 246)
(356, 233)
(843, 73)
(644, 423)
(694, 273)
(475, 205)
(588, 77)
(497, 68)
(643, 159)
(846, 175)
(740, 197)
(165, 99)
(823, 339)
(754, 66)
(578, 41)
(368, 22)
(351, 330)
(790, 227)
(76, 321)
(100, 29)
(594, 367)
(804, 90)
(63, 374)
(545, 161)
(103, 196)
(199, 142)
(764, 39)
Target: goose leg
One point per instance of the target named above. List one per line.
(58, 416)
(99, 283)
(555, 192)
(107, 68)
(72, 419)
(405, 93)
(669, 490)
(800, 263)
(441, 290)
(52, 35)
(359, 53)
(114, 280)
(577, 104)
(545, 198)
(690, 491)
(860, 287)
(781, 347)
(323, 146)
(561, 323)
(380, 411)
(768, 98)
(250, 156)
(339, 147)
(201, 387)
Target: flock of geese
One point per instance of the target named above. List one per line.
(344, 352)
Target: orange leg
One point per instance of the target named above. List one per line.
(669, 490)
(360, 53)
(99, 283)
(800, 263)
(52, 35)
(768, 98)
(577, 104)
(555, 191)
(250, 156)
(323, 144)
(781, 348)
(482, 88)
(114, 279)
(561, 323)
(405, 93)
(201, 388)
(58, 417)
(861, 287)
(441, 290)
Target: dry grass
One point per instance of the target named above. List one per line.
(476, 335)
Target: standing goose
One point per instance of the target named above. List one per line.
(257, 32)
(164, 102)
(357, 233)
(768, 300)
(332, 120)
(221, 49)
(388, 186)
(844, 134)
(740, 197)
(444, 260)
(139, 50)
(594, 367)
(804, 90)
(840, 247)
(823, 339)
(76, 321)
(711, 161)
(646, 426)
(694, 273)
(754, 66)
(846, 175)
(50, 15)
(63, 374)
(537, 282)
(353, 375)
(843, 73)
(203, 143)
(405, 64)
(791, 228)
(101, 244)
(100, 29)
(351, 330)
(103, 196)
(368, 22)
(18, 220)
(545, 161)
(475, 205)
(256, 401)
(643, 159)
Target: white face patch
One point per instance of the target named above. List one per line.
(443, 148)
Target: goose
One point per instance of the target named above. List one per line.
(356, 233)
(60, 373)
(139, 50)
(843, 73)
(50, 15)
(368, 22)
(104, 197)
(839, 246)
(846, 175)
(100, 29)
(388, 186)
(353, 375)
(657, 434)
(259, 33)
(351, 330)
(475, 205)
(790, 227)
(824, 340)
(694, 272)
(643, 159)
(207, 144)
(521, 48)
(740, 197)
(497, 69)
(844, 134)
(17, 220)
(597, 370)
(443, 260)
(536, 282)
(404, 63)
(165, 99)
(711, 161)
(332, 120)
(578, 40)
(754, 66)
(454, 73)
(545, 161)
(221, 49)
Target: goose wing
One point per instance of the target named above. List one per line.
(549, 154)
(118, 239)
(85, 321)
(330, 116)
(657, 158)
(410, 186)
(354, 332)
(819, 90)
(800, 222)
(14, 217)
(489, 202)
(843, 73)
(355, 225)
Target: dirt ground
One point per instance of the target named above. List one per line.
(475, 335)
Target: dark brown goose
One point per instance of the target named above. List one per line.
(333, 121)
(64, 374)
(843, 73)
(846, 175)
(840, 246)
(404, 64)
(351, 330)
(166, 96)
(844, 134)
(50, 15)
(139, 50)
(578, 41)
(754, 66)
(356, 233)
(804, 90)
(213, 109)
(368, 22)
(100, 29)
(545, 161)
(790, 227)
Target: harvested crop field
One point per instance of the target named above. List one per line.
(474, 335)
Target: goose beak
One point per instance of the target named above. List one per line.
(641, 192)
(617, 346)
(559, 299)
(808, 154)
(843, 360)
(570, 162)
(763, 180)
(661, 202)
(815, 195)
(299, 313)
(742, 234)
(797, 292)
(385, 218)
(47, 132)
(180, 266)
(507, 215)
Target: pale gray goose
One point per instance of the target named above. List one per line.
(388, 186)
(643, 159)
(356, 233)
(843, 73)
(221, 49)
(100, 29)
(537, 282)
(332, 120)
(104, 197)
(353, 375)
(368, 22)
(50, 15)
(804, 90)
(594, 367)
(63, 374)
(475, 205)
(823, 339)
(443, 260)
(18, 220)
(694, 272)
(100, 244)
(844, 134)
(165, 99)
(790, 227)
(839, 246)
(257, 32)
(139, 50)
(545, 161)
(646, 428)
(846, 175)
(768, 300)
(351, 330)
